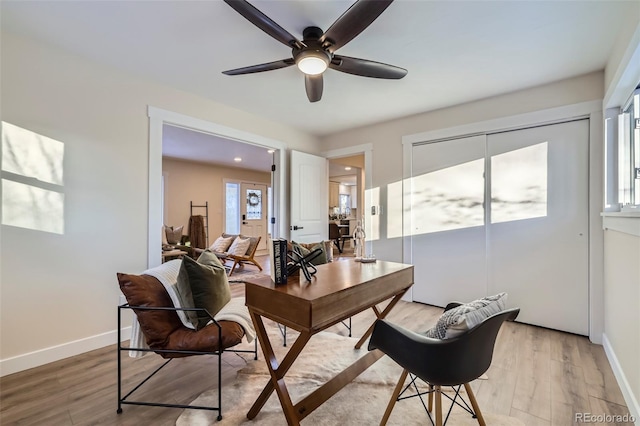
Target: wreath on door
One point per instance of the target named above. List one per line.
(253, 199)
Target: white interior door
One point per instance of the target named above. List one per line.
(309, 197)
(253, 208)
(447, 221)
(538, 232)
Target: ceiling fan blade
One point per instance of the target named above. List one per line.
(263, 22)
(366, 68)
(313, 84)
(358, 17)
(269, 66)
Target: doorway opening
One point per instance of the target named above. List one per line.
(165, 184)
(346, 200)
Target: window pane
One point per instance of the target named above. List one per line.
(232, 225)
(345, 204)
(635, 146)
(624, 158)
(254, 204)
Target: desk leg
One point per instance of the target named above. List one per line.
(277, 371)
(380, 315)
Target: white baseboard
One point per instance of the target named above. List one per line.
(627, 392)
(58, 352)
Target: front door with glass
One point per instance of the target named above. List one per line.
(253, 211)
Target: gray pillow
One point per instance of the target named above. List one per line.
(456, 321)
(203, 284)
(173, 234)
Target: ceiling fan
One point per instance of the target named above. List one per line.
(316, 52)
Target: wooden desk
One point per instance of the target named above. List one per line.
(338, 291)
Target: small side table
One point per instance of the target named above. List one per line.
(171, 254)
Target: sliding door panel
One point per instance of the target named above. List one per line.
(538, 223)
(447, 221)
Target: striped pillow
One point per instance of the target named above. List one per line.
(221, 244)
(456, 321)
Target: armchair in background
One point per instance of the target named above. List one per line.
(238, 249)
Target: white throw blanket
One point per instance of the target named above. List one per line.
(167, 274)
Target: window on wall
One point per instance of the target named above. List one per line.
(622, 156)
(629, 153)
(232, 214)
(254, 204)
(345, 204)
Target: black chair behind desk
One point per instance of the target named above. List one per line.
(337, 236)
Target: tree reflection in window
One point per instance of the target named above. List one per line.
(32, 180)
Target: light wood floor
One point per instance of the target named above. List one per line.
(538, 375)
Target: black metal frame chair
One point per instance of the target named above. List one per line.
(451, 362)
(122, 400)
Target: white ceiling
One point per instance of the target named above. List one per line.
(203, 147)
(337, 173)
(455, 51)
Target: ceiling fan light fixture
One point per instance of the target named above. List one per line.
(313, 61)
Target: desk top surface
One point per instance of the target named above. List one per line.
(338, 290)
(332, 278)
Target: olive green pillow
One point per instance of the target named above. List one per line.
(205, 283)
(305, 249)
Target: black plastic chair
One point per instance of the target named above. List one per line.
(451, 362)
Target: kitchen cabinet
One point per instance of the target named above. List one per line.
(334, 191)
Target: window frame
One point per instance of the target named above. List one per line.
(622, 156)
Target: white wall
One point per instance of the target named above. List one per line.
(199, 182)
(387, 141)
(619, 77)
(622, 316)
(59, 292)
(621, 290)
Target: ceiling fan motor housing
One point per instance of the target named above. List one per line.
(312, 33)
(313, 47)
(315, 51)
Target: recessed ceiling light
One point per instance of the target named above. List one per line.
(237, 159)
(347, 168)
(271, 151)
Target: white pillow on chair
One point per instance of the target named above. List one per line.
(221, 244)
(239, 246)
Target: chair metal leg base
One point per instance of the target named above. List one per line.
(434, 390)
(122, 400)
